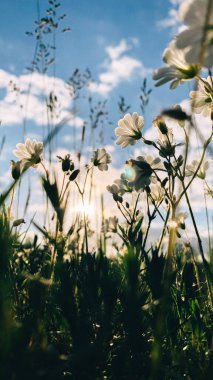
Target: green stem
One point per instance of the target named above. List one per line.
(11, 202)
(198, 167)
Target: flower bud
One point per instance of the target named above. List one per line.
(17, 222)
(74, 175)
(65, 162)
(16, 169)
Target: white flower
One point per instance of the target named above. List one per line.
(139, 172)
(111, 224)
(197, 38)
(101, 159)
(165, 135)
(177, 71)
(30, 153)
(129, 129)
(120, 186)
(202, 99)
(190, 169)
(157, 192)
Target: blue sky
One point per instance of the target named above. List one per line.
(120, 41)
(95, 26)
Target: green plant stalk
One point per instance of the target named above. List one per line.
(161, 321)
(170, 251)
(181, 178)
(11, 203)
(85, 225)
(198, 167)
(184, 192)
(164, 229)
(207, 219)
(151, 217)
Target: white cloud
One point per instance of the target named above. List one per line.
(28, 100)
(115, 52)
(119, 67)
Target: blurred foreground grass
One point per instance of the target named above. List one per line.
(99, 318)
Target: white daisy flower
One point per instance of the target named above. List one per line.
(129, 129)
(30, 153)
(177, 71)
(101, 159)
(190, 169)
(139, 172)
(197, 38)
(202, 99)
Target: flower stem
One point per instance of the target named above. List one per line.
(11, 202)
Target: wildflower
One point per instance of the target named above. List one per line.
(165, 133)
(139, 172)
(101, 159)
(129, 129)
(30, 153)
(157, 192)
(122, 185)
(177, 71)
(66, 163)
(116, 192)
(197, 38)
(191, 169)
(119, 188)
(15, 169)
(111, 224)
(202, 99)
(165, 140)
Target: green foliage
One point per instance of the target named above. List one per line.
(98, 318)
